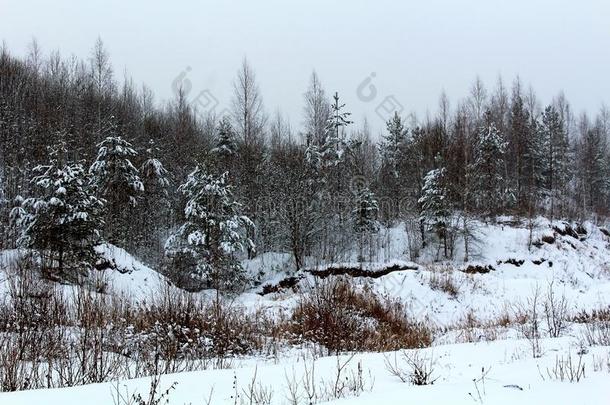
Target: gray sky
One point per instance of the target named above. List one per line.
(415, 49)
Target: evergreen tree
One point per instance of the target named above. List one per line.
(364, 217)
(114, 175)
(556, 150)
(519, 148)
(154, 175)
(364, 214)
(64, 223)
(118, 182)
(338, 120)
(393, 152)
(332, 151)
(392, 144)
(488, 167)
(434, 209)
(226, 143)
(205, 247)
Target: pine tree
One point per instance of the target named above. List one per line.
(519, 136)
(434, 209)
(488, 168)
(204, 248)
(115, 176)
(393, 150)
(555, 155)
(338, 119)
(392, 144)
(364, 216)
(332, 150)
(154, 175)
(64, 223)
(118, 182)
(226, 143)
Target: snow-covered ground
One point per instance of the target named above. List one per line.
(500, 372)
(483, 370)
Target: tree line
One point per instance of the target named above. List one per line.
(84, 159)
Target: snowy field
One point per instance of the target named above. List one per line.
(474, 358)
(501, 372)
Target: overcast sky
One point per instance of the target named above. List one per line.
(413, 49)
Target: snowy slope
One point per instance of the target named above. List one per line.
(577, 265)
(125, 276)
(578, 269)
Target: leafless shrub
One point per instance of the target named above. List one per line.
(414, 236)
(412, 368)
(470, 328)
(530, 325)
(601, 363)
(444, 281)
(566, 370)
(293, 396)
(555, 312)
(597, 333)
(596, 326)
(596, 314)
(255, 393)
(343, 318)
(155, 396)
(345, 383)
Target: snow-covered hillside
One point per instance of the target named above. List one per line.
(481, 352)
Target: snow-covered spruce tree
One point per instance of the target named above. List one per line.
(226, 142)
(364, 217)
(393, 151)
(556, 158)
(118, 182)
(332, 151)
(520, 148)
(155, 206)
(203, 251)
(434, 209)
(391, 146)
(329, 178)
(488, 169)
(64, 223)
(226, 151)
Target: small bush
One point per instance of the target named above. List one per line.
(566, 370)
(342, 318)
(415, 368)
(528, 321)
(444, 281)
(597, 333)
(555, 311)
